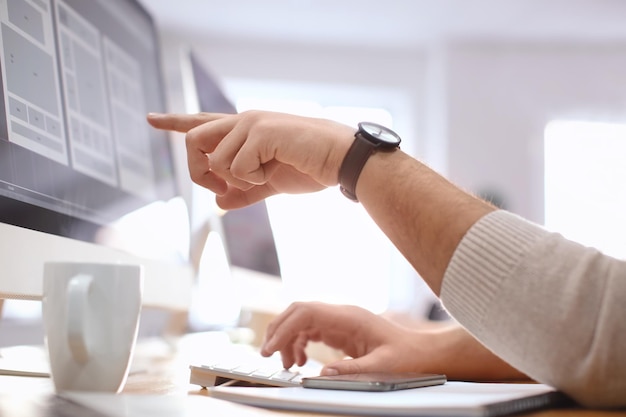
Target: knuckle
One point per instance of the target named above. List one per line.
(195, 177)
(237, 171)
(191, 137)
(196, 172)
(251, 116)
(256, 122)
(358, 369)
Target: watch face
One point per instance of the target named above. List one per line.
(381, 133)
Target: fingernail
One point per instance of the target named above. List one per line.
(330, 372)
(265, 346)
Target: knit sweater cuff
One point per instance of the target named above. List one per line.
(482, 262)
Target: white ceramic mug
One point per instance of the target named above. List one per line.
(91, 317)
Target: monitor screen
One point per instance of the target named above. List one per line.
(210, 96)
(76, 153)
(247, 232)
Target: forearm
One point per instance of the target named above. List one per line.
(422, 213)
(550, 307)
(461, 357)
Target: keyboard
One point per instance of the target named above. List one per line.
(252, 371)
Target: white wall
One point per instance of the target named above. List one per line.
(476, 110)
(501, 96)
(390, 70)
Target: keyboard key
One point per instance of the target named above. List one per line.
(226, 367)
(250, 369)
(283, 375)
(264, 373)
(244, 370)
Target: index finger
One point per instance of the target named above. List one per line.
(287, 326)
(180, 122)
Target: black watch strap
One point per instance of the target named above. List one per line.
(353, 164)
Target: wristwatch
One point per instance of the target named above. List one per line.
(368, 138)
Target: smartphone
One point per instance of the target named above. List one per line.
(377, 381)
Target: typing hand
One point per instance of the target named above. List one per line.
(373, 343)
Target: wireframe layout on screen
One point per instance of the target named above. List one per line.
(82, 175)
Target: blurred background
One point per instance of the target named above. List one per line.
(520, 101)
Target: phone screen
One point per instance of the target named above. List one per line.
(378, 381)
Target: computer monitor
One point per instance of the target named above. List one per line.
(246, 233)
(82, 175)
(208, 92)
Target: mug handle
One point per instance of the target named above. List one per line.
(77, 304)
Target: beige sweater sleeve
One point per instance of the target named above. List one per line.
(552, 308)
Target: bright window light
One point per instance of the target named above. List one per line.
(585, 175)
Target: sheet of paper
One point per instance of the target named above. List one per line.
(450, 399)
(24, 361)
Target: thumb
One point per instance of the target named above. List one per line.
(352, 366)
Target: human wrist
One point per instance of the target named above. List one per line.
(368, 139)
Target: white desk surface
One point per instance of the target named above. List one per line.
(160, 381)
